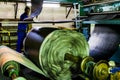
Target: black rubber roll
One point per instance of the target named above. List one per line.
(104, 41)
(33, 41)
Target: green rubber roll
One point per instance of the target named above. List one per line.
(53, 50)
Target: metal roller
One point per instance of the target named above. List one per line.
(95, 71)
(47, 48)
(100, 71)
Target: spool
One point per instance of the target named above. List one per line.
(47, 47)
(100, 71)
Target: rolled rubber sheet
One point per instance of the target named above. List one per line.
(7, 54)
(54, 48)
(105, 39)
(47, 49)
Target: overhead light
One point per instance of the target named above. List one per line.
(29, 3)
(28, 0)
(51, 5)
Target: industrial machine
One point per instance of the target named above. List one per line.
(57, 54)
(63, 54)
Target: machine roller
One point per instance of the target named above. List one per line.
(47, 48)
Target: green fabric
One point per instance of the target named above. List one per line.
(53, 50)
